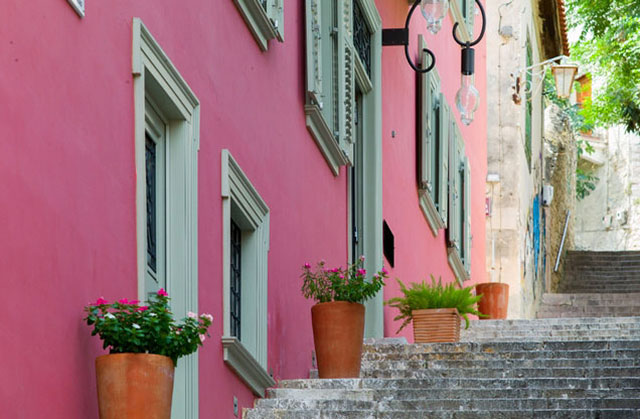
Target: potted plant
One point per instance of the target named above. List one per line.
(495, 299)
(338, 316)
(135, 380)
(435, 310)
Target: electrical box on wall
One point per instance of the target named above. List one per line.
(547, 195)
(78, 6)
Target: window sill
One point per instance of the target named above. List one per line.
(257, 21)
(238, 358)
(457, 265)
(324, 139)
(430, 212)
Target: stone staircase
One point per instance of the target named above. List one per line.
(579, 359)
(596, 284)
(542, 368)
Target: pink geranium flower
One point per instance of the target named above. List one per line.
(362, 272)
(162, 293)
(384, 271)
(307, 265)
(134, 302)
(143, 308)
(123, 301)
(202, 338)
(101, 301)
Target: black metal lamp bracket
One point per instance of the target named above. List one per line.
(400, 36)
(484, 27)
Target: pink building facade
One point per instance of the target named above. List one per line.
(220, 127)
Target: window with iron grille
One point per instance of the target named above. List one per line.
(362, 37)
(236, 276)
(150, 162)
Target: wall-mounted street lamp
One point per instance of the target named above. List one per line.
(434, 11)
(564, 75)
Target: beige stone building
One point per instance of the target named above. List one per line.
(520, 229)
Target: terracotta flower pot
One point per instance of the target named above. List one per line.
(338, 330)
(134, 386)
(495, 300)
(436, 325)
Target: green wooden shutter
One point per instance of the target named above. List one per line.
(314, 52)
(346, 78)
(466, 213)
(276, 14)
(443, 187)
(469, 14)
(453, 226)
(429, 104)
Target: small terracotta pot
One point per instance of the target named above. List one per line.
(134, 386)
(338, 330)
(436, 325)
(495, 300)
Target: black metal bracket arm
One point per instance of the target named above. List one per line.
(400, 36)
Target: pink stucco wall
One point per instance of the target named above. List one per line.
(67, 182)
(418, 253)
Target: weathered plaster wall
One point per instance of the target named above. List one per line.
(560, 172)
(609, 218)
(510, 238)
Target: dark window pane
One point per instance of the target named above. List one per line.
(236, 275)
(362, 37)
(150, 161)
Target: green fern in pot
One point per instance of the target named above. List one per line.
(421, 295)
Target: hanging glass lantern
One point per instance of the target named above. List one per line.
(434, 12)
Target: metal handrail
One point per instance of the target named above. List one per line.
(564, 236)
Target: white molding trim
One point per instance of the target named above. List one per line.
(455, 262)
(155, 76)
(238, 358)
(254, 212)
(323, 136)
(259, 22)
(430, 212)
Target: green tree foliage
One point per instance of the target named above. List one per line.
(609, 46)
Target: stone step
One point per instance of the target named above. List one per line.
(497, 347)
(305, 388)
(559, 312)
(501, 372)
(435, 414)
(553, 363)
(419, 405)
(593, 298)
(541, 335)
(584, 322)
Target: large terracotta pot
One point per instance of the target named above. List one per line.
(495, 300)
(338, 331)
(436, 325)
(134, 386)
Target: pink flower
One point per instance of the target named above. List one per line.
(335, 270)
(341, 276)
(162, 293)
(362, 272)
(362, 258)
(123, 301)
(307, 265)
(384, 271)
(202, 338)
(134, 302)
(207, 316)
(192, 315)
(101, 301)
(143, 308)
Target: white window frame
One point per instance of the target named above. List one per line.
(241, 202)
(432, 191)
(264, 24)
(458, 229)
(155, 77)
(325, 95)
